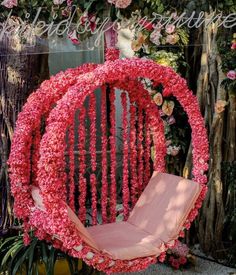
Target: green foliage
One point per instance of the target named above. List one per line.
(229, 176)
(15, 256)
(228, 58)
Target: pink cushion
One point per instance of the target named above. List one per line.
(124, 241)
(157, 217)
(164, 205)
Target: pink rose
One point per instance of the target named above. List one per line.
(172, 39)
(9, 3)
(171, 120)
(170, 28)
(175, 264)
(231, 75)
(182, 260)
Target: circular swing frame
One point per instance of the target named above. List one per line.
(54, 223)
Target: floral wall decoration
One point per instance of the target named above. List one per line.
(165, 45)
(227, 49)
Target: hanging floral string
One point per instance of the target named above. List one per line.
(125, 180)
(104, 154)
(93, 181)
(82, 165)
(71, 141)
(133, 155)
(147, 152)
(35, 155)
(112, 140)
(140, 150)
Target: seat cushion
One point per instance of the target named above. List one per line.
(164, 206)
(124, 241)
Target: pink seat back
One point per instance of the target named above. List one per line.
(164, 205)
(83, 232)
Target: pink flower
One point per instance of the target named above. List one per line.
(73, 37)
(171, 120)
(26, 239)
(121, 4)
(233, 46)
(155, 37)
(180, 249)
(146, 24)
(9, 3)
(170, 28)
(172, 39)
(175, 264)
(173, 150)
(89, 19)
(231, 75)
(162, 257)
(182, 260)
(58, 2)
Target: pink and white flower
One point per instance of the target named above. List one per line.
(155, 37)
(10, 3)
(170, 28)
(58, 2)
(231, 75)
(121, 4)
(172, 39)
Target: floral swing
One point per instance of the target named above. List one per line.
(51, 184)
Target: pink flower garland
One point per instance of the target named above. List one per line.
(140, 150)
(93, 181)
(72, 167)
(133, 155)
(38, 104)
(125, 180)
(112, 141)
(82, 165)
(104, 155)
(147, 152)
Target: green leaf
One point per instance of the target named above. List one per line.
(31, 256)
(8, 255)
(20, 261)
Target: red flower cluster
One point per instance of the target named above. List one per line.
(69, 91)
